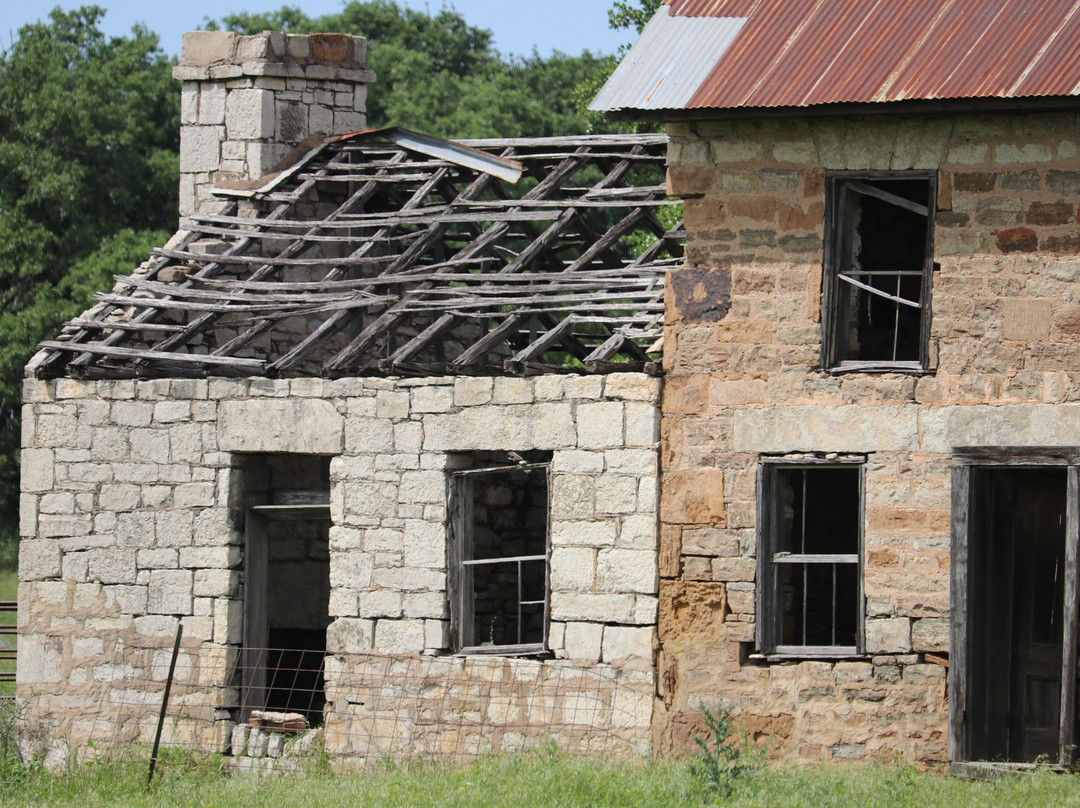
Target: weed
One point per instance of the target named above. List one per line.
(726, 755)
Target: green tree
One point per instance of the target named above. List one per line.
(621, 15)
(439, 74)
(89, 135)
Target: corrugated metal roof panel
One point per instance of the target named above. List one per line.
(711, 8)
(1058, 70)
(811, 52)
(753, 55)
(668, 62)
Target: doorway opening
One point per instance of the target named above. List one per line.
(1014, 607)
(286, 583)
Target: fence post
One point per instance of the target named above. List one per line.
(165, 702)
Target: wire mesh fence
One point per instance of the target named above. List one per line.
(280, 710)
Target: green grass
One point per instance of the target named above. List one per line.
(540, 780)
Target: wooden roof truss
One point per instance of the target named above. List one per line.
(369, 256)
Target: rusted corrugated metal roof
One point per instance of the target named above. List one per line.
(801, 53)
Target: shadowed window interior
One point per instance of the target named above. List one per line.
(879, 264)
(499, 543)
(811, 588)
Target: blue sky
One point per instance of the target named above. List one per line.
(570, 26)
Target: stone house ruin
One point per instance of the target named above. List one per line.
(387, 402)
(870, 428)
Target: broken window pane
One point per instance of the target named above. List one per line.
(878, 271)
(500, 536)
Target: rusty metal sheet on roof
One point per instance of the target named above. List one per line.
(668, 63)
(800, 53)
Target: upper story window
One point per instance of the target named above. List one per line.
(878, 269)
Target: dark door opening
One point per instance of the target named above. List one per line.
(1016, 623)
(286, 584)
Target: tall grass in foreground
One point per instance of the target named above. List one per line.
(544, 779)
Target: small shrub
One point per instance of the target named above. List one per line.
(726, 755)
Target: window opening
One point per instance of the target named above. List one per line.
(811, 593)
(879, 265)
(286, 583)
(499, 552)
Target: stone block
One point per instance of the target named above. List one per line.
(600, 424)
(380, 603)
(692, 497)
(39, 559)
(692, 610)
(112, 566)
(200, 148)
(632, 387)
(425, 544)
(351, 570)
(297, 425)
(37, 470)
(249, 114)
(583, 641)
(848, 428)
(553, 426)
(930, 634)
(619, 570)
(628, 641)
(1026, 319)
(587, 606)
(432, 399)
(642, 424)
(199, 48)
(170, 592)
(399, 636)
(572, 568)
(583, 534)
(888, 636)
(616, 493)
(216, 583)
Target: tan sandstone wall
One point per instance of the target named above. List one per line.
(742, 356)
(131, 514)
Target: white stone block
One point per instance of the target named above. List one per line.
(432, 399)
(112, 566)
(425, 544)
(200, 148)
(39, 559)
(848, 428)
(380, 603)
(600, 424)
(583, 534)
(616, 494)
(210, 583)
(37, 473)
(436, 634)
(350, 636)
(432, 605)
(632, 387)
(471, 391)
(889, 636)
(118, 497)
(573, 496)
(297, 425)
(628, 641)
(582, 641)
(619, 570)
(642, 424)
(578, 462)
(572, 568)
(170, 592)
(351, 570)
(597, 608)
(368, 435)
(554, 426)
(399, 636)
(249, 114)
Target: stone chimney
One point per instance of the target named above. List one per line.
(248, 100)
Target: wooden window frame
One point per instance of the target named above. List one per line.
(461, 564)
(965, 462)
(839, 186)
(769, 607)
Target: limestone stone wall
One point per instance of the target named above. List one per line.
(744, 380)
(247, 100)
(132, 522)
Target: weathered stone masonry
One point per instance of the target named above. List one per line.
(744, 381)
(131, 520)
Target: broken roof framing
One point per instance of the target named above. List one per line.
(401, 254)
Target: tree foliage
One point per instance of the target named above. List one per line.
(89, 133)
(439, 74)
